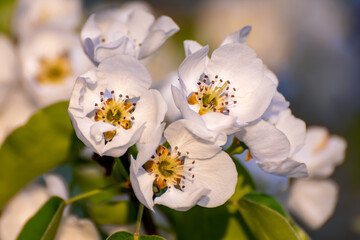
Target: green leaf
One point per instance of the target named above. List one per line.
(245, 183)
(44, 224)
(43, 143)
(130, 236)
(237, 229)
(268, 201)
(111, 213)
(6, 14)
(199, 222)
(263, 221)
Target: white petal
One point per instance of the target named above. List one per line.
(97, 130)
(286, 168)
(150, 110)
(219, 122)
(237, 63)
(293, 128)
(121, 46)
(265, 141)
(148, 149)
(182, 200)
(313, 201)
(162, 29)
(56, 186)
(20, 208)
(191, 47)
(125, 73)
(278, 103)
(252, 106)
(239, 36)
(321, 152)
(122, 141)
(90, 29)
(75, 228)
(139, 24)
(219, 175)
(192, 68)
(173, 112)
(142, 184)
(177, 135)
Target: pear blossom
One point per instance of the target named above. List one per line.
(192, 171)
(16, 111)
(321, 152)
(112, 108)
(173, 112)
(51, 60)
(272, 143)
(225, 92)
(313, 200)
(26, 203)
(131, 31)
(59, 14)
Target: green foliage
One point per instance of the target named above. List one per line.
(43, 143)
(6, 14)
(199, 222)
(129, 236)
(263, 220)
(111, 213)
(44, 224)
(245, 183)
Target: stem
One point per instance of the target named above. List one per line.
(122, 170)
(138, 221)
(236, 147)
(93, 192)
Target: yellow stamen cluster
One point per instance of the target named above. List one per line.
(116, 112)
(167, 167)
(212, 96)
(54, 70)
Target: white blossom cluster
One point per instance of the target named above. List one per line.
(208, 103)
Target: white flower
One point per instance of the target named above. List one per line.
(173, 112)
(321, 152)
(9, 64)
(111, 107)
(75, 228)
(129, 31)
(16, 111)
(225, 92)
(314, 200)
(272, 143)
(193, 171)
(58, 14)
(27, 202)
(51, 61)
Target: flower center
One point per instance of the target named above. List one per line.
(169, 168)
(213, 96)
(117, 112)
(54, 70)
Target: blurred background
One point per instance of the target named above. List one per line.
(313, 46)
